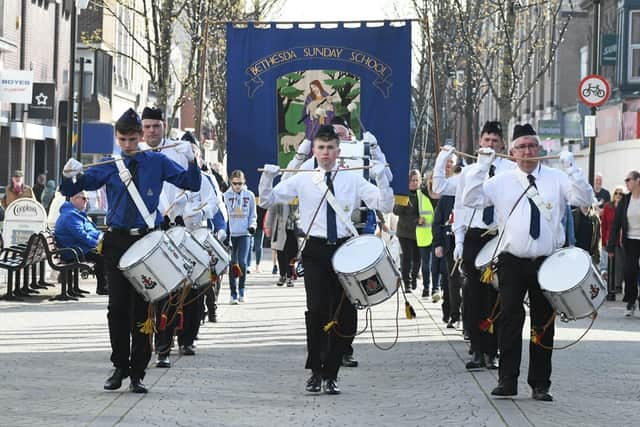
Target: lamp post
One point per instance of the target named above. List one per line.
(595, 69)
(81, 61)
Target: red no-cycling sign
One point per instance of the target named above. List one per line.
(594, 90)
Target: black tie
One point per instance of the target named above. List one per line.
(534, 225)
(332, 231)
(131, 206)
(487, 213)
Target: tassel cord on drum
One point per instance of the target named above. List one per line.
(536, 337)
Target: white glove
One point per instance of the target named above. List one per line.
(271, 170)
(185, 149)
(177, 207)
(486, 156)
(446, 152)
(221, 235)
(303, 149)
(457, 251)
(72, 168)
(377, 169)
(370, 138)
(567, 159)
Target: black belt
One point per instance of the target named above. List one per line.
(131, 231)
(324, 241)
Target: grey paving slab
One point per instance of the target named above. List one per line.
(248, 371)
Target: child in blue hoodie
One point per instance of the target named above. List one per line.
(241, 205)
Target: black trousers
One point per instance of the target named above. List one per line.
(324, 293)
(410, 261)
(516, 277)
(164, 337)
(289, 252)
(631, 256)
(98, 261)
(192, 317)
(130, 348)
(451, 308)
(479, 297)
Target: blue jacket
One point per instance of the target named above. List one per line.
(153, 169)
(242, 211)
(74, 230)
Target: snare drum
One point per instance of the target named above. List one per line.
(219, 255)
(154, 266)
(571, 283)
(366, 270)
(486, 256)
(194, 253)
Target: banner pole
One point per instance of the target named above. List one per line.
(434, 102)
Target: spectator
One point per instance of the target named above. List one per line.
(602, 195)
(258, 238)
(38, 188)
(627, 221)
(587, 231)
(281, 225)
(608, 215)
(75, 230)
(48, 194)
(17, 189)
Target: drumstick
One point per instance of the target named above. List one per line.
(105, 162)
(197, 209)
(352, 109)
(506, 156)
(173, 203)
(316, 170)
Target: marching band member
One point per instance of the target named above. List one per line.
(529, 203)
(472, 230)
(148, 171)
(327, 233)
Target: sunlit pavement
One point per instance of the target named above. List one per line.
(248, 370)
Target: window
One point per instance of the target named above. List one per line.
(634, 46)
(123, 68)
(104, 73)
(584, 62)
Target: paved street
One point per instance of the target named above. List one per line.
(249, 371)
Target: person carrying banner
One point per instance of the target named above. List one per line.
(326, 234)
(148, 171)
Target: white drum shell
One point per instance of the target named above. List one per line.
(382, 269)
(576, 300)
(220, 255)
(194, 253)
(157, 272)
(484, 258)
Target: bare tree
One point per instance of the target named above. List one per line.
(511, 44)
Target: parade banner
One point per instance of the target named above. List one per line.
(279, 78)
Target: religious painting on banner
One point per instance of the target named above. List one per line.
(308, 99)
(283, 82)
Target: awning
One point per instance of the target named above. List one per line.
(33, 131)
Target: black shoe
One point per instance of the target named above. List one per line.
(163, 361)
(331, 386)
(114, 382)
(451, 324)
(213, 318)
(102, 291)
(505, 390)
(425, 293)
(349, 362)
(491, 361)
(314, 383)
(466, 336)
(414, 284)
(407, 289)
(542, 394)
(136, 386)
(188, 350)
(476, 362)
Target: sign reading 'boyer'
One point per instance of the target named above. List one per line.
(16, 86)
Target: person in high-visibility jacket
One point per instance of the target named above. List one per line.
(424, 238)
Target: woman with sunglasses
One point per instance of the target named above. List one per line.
(608, 215)
(626, 224)
(241, 205)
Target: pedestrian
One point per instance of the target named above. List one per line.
(148, 170)
(48, 194)
(17, 189)
(327, 233)
(282, 223)
(626, 224)
(258, 238)
(530, 225)
(587, 229)
(38, 187)
(241, 205)
(608, 215)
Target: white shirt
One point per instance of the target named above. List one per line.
(195, 210)
(465, 217)
(170, 192)
(350, 189)
(556, 188)
(633, 218)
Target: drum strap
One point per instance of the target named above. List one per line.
(125, 176)
(331, 199)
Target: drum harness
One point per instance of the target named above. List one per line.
(332, 326)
